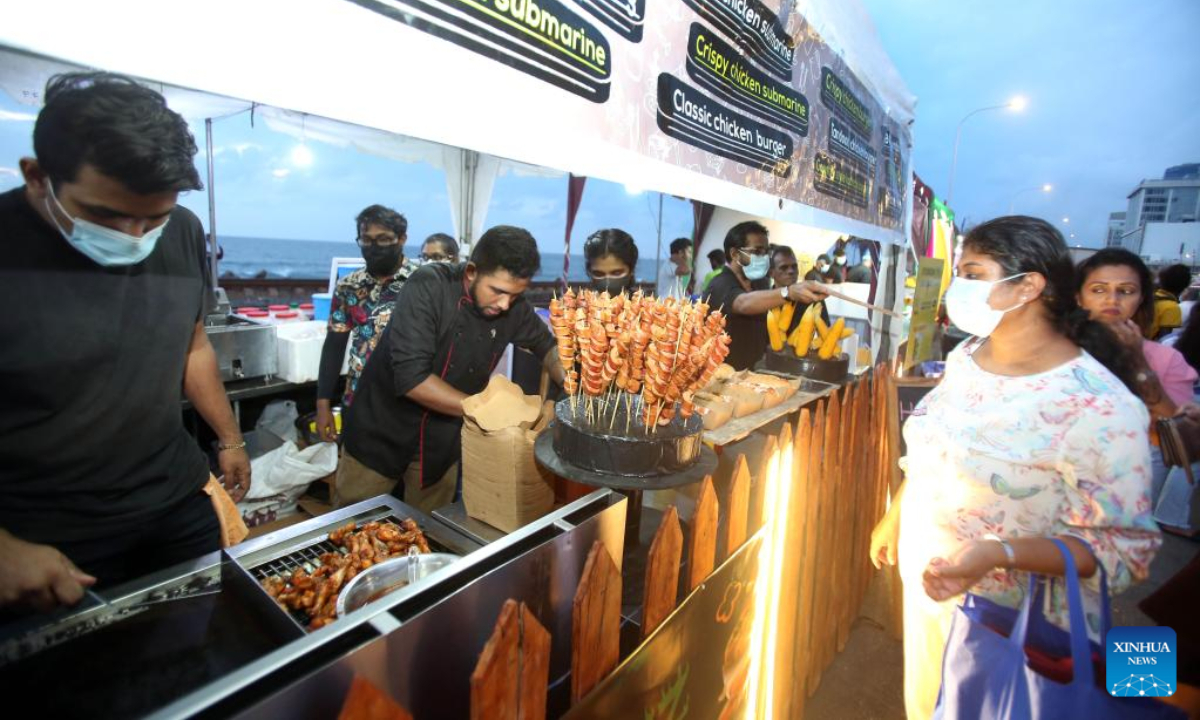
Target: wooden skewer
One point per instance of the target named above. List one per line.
(628, 410)
(861, 303)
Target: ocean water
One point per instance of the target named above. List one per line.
(248, 256)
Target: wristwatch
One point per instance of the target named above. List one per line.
(783, 291)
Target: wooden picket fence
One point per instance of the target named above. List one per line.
(843, 454)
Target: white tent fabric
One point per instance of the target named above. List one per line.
(23, 76)
(470, 196)
(470, 176)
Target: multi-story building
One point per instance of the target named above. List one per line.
(1169, 201)
(1116, 228)
(1160, 222)
(1190, 171)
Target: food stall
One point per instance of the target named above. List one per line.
(796, 118)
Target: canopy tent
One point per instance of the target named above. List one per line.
(470, 176)
(386, 65)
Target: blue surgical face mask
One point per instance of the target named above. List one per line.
(103, 245)
(758, 266)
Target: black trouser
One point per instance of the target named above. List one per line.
(182, 532)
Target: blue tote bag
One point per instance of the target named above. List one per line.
(987, 673)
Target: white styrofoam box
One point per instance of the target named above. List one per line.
(298, 346)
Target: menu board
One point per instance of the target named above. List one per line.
(731, 89)
(922, 327)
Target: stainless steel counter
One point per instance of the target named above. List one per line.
(203, 638)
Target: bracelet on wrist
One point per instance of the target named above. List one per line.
(240, 445)
(1010, 555)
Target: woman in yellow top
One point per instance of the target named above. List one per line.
(1032, 434)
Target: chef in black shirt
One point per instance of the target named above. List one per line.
(743, 292)
(107, 288)
(449, 328)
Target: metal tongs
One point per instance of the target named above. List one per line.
(98, 599)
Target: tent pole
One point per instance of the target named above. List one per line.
(470, 167)
(212, 201)
(658, 252)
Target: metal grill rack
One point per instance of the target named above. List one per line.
(306, 558)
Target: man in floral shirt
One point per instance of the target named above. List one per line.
(361, 306)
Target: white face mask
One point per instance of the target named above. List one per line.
(104, 245)
(967, 305)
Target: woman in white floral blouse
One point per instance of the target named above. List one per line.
(1032, 434)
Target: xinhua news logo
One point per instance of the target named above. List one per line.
(1140, 661)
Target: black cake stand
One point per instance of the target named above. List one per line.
(629, 486)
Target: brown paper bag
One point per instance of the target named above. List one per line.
(502, 483)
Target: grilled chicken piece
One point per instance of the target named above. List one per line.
(316, 593)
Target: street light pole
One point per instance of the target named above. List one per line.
(1012, 202)
(1017, 104)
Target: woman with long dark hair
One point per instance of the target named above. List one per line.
(1033, 434)
(611, 258)
(1116, 288)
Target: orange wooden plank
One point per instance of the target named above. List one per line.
(786, 697)
(809, 575)
(512, 676)
(739, 504)
(367, 702)
(863, 509)
(856, 518)
(889, 482)
(662, 572)
(845, 602)
(495, 682)
(535, 666)
(821, 636)
(595, 622)
(702, 553)
(876, 503)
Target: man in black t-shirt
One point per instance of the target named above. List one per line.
(449, 327)
(821, 270)
(99, 481)
(863, 272)
(743, 292)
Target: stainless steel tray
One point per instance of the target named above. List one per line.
(421, 642)
(301, 545)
